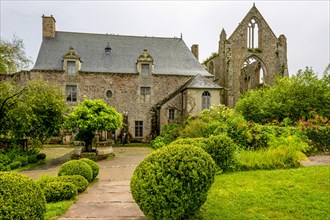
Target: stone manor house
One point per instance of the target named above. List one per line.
(154, 80)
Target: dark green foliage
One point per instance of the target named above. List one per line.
(4, 168)
(41, 156)
(320, 138)
(4, 159)
(80, 182)
(172, 182)
(93, 165)
(59, 191)
(170, 133)
(33, 158)
(23, 159)
(15, 165)
(76, 167)
(20, 197)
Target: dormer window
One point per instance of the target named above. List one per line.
(144, 63)
(71, 62)
(71, 65)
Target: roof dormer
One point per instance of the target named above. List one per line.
(71, 62)
(144, 63)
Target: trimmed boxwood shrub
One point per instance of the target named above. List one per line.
(44, 179)
(80, 182)
(59, 191)
(93, 165)
(222, 149)
(172, 182)
(32, 158)
(41, 156)
(20, 197)
(76, 167)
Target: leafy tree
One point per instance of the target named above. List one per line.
(290, 98)
(12, 56)
(9, 97)
(34, 111)
(92, 116)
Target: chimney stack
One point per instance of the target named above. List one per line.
(48, 26)
(194, 50)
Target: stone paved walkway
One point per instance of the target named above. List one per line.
(109, 198)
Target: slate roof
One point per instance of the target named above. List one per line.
(171, 55)
(200, 82)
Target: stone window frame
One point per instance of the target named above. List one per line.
(145, 92)
(171, 114)
(71, 56)
(107, 92)
(206, 100)
(138, 128)
(145, 59)
(69, 93)
(253, 30)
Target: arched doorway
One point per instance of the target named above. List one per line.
(252, 74)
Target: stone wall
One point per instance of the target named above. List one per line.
(125, 90)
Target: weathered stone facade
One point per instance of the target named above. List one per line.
(251, 56)
(151, 81)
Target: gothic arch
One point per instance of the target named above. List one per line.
(253, 73)
(253, 29)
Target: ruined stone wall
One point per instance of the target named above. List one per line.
(271, 52)
(125, 92)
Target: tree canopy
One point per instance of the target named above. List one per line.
(292, 98)
(34, 111)
(92, 116)
(12, 56)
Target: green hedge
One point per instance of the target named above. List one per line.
(20, 197)
(93, 165)
(76, 167)
(172, 182)
(58, 191)
(80, 182)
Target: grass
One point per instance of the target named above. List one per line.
(302, 193)
(56, 209)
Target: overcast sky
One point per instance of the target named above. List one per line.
(304, 23)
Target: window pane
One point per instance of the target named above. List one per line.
(138, 128)
(71, 93)
(71, 67)
(206, 100)
(171, 114)
(145, 69)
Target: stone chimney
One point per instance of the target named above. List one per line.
(48, 26)
(194, 50)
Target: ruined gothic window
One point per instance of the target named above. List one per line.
(171, 114)
(144, 69)
(206, 100)
(252, 34)
(71, 93)
(71, 67)
(144, 94)
(138, 128)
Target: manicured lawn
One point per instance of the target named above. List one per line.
(302, 193)
(56, 209)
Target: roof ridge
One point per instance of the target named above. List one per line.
(119, 35)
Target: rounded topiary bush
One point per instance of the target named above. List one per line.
(172, 182)
(59, 191)
(23, 159)
(222, 149)
(41, 156)
(20, 197)
(76, 167)
(80, 182)
(93, 165)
